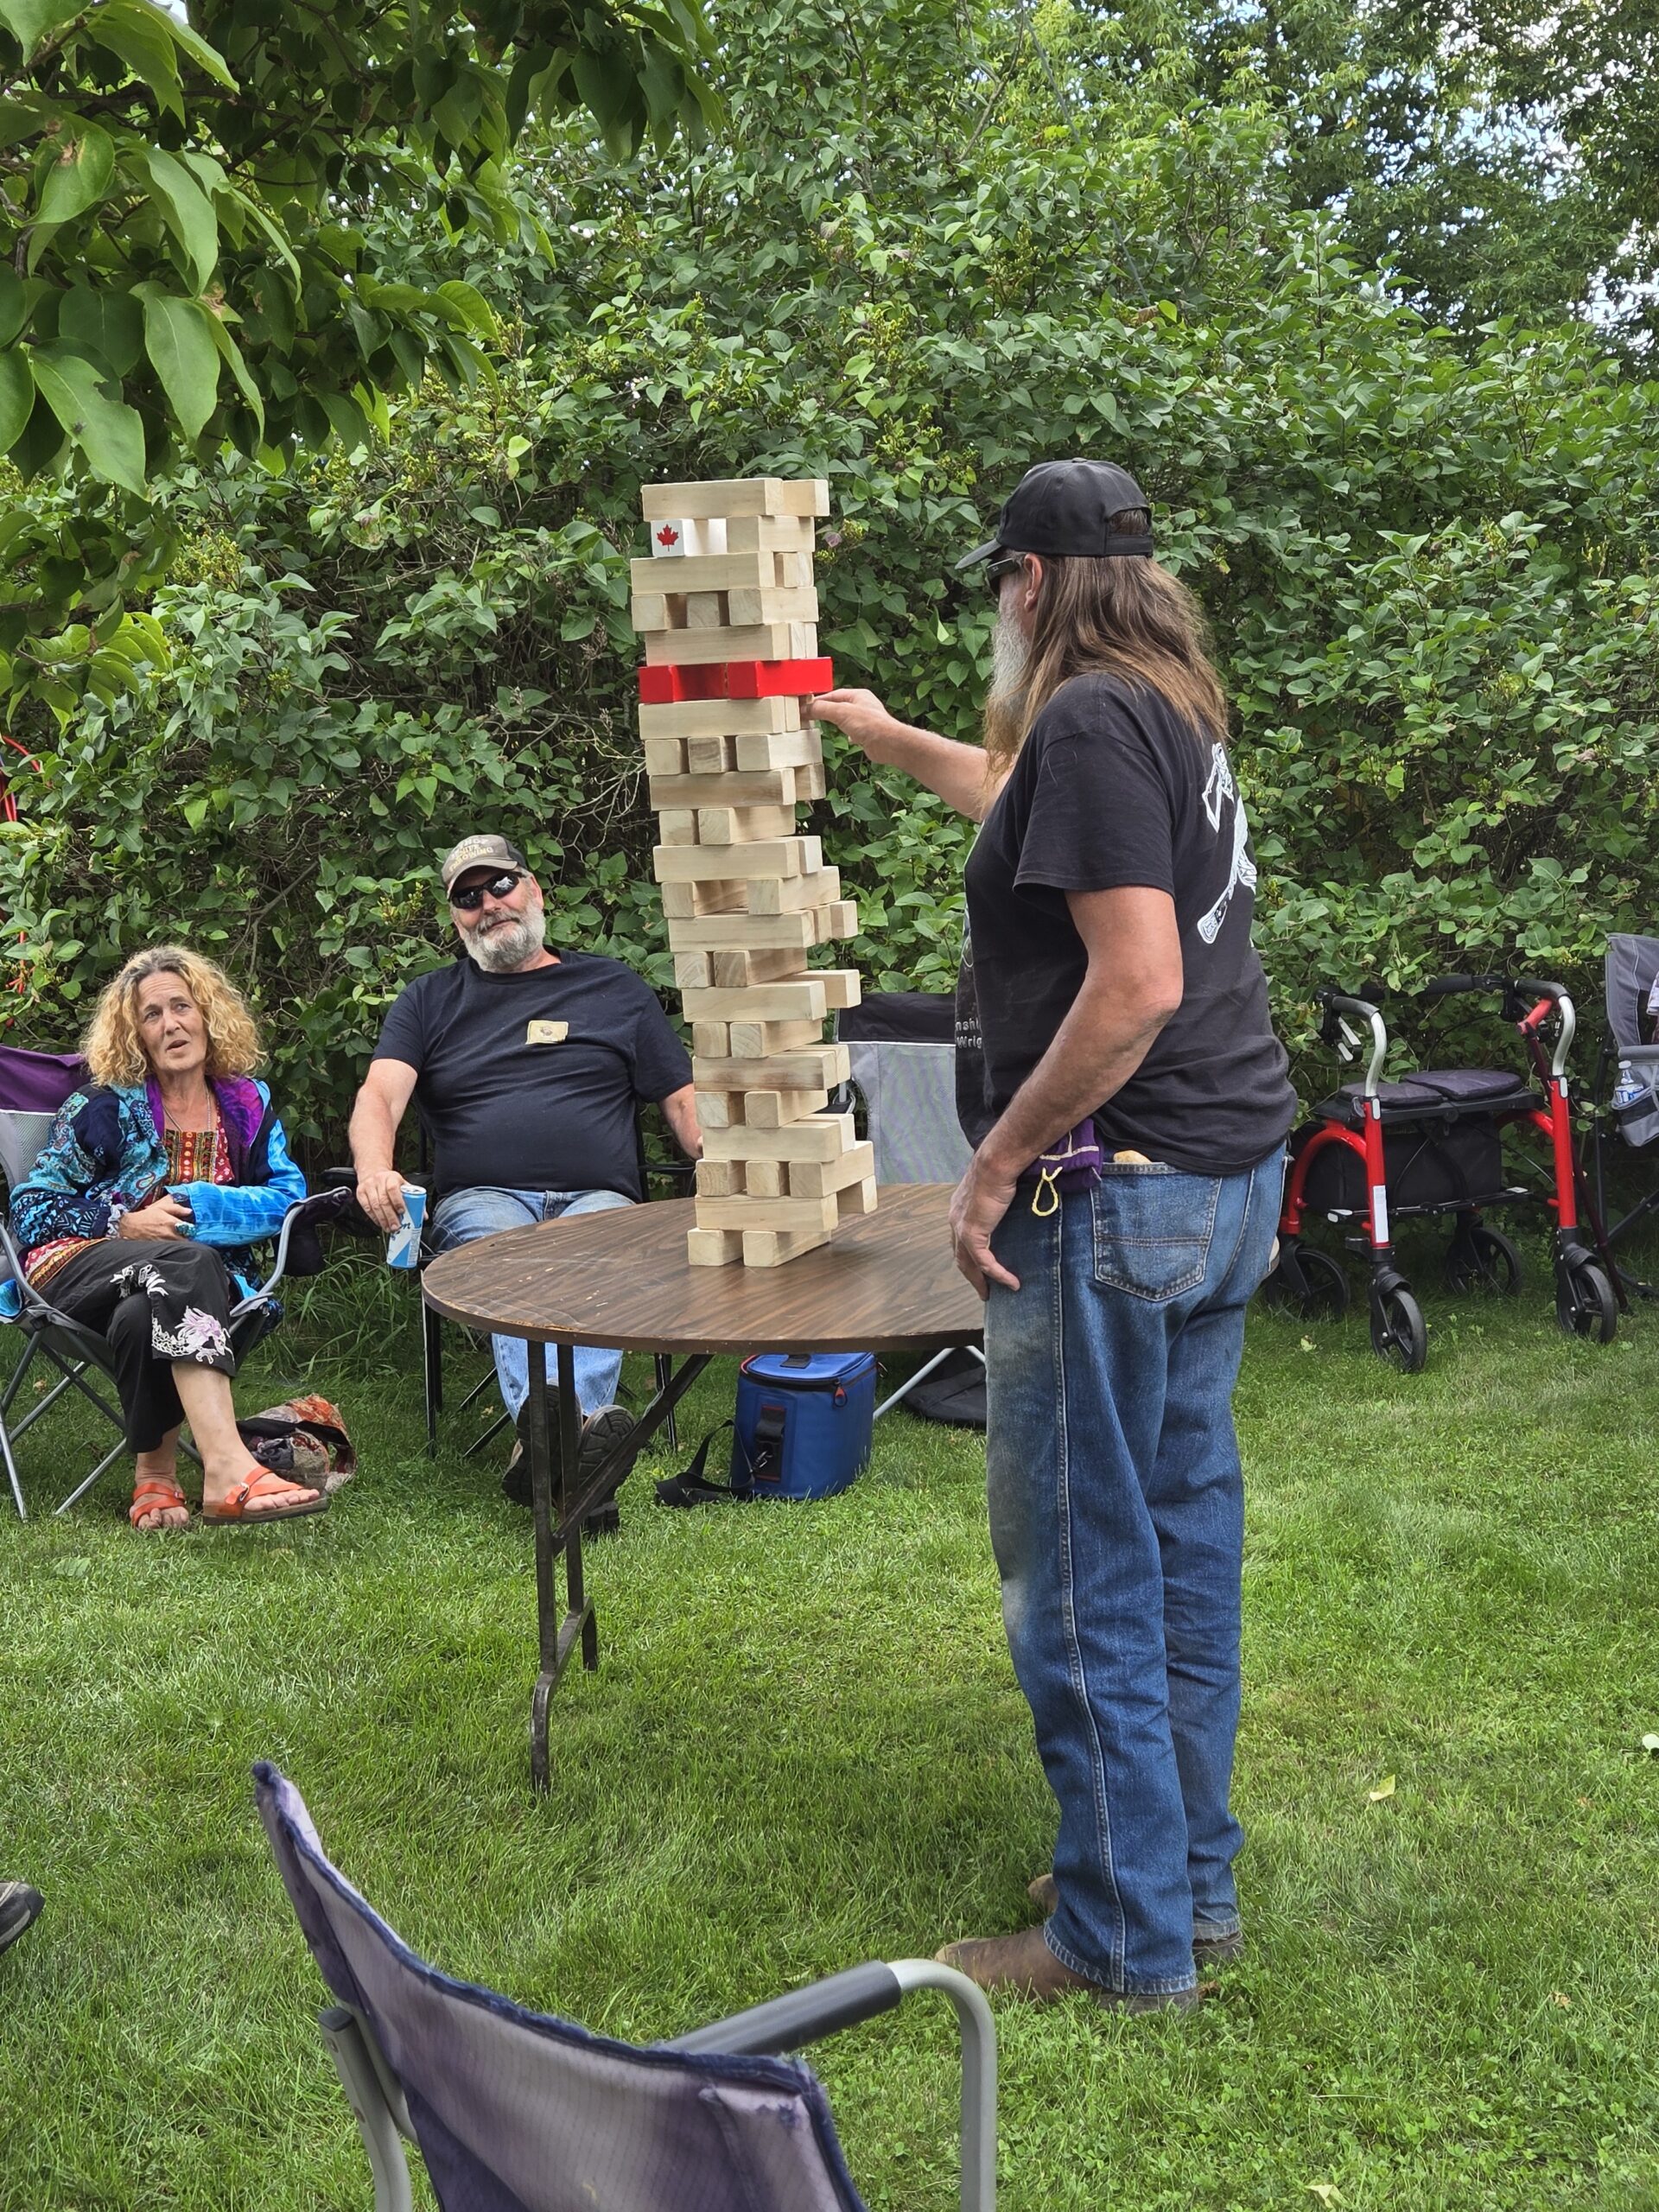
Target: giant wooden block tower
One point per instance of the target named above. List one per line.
(729, 616)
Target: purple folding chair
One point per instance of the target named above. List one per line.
(33, 1086)
(518, 2112)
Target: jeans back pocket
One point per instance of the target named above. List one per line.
(1153, 1227)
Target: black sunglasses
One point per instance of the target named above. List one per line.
(997, 570)
(499, 886)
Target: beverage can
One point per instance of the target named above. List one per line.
(403, 1245)
(1630, 1091)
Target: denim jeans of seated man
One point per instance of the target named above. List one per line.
(460, 1217)
(1117, 1518)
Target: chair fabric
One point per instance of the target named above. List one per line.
(519, 2111)
(38, 1083)
(1631, 965)
(901, 1056)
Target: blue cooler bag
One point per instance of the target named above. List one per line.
(803, 1423)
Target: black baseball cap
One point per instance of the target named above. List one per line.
(1065, 509)
(491, 852)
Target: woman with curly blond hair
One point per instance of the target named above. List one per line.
(140, 1210)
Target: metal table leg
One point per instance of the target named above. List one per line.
(556, 1637)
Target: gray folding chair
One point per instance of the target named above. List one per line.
(902, 1060)
(74, 1350)
(519, 2111)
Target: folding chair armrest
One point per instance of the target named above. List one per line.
(671, 1171)
(258, 1297)
(859, 1993)
(803, 2016)
(376, 2103)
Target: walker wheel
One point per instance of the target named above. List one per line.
(1479, 1259)
(1584, 1304)
(1398, 1332)
(1324, 1297)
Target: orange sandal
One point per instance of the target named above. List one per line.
(253, 1486)
(152, 1495)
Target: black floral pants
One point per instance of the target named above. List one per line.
(154, 1302)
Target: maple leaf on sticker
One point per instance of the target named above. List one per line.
(668, 535)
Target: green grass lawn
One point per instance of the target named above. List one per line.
(805, 1747)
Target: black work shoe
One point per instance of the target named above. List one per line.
(601, 1433)
(19, 1908)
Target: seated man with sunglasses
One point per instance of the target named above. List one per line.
(528, 1068)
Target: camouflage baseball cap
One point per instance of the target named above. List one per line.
(479, 852)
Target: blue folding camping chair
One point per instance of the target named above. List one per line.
(519, 2111)
(33, 1086)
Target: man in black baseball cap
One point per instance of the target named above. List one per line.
(1126, 1101)
(1067, 510)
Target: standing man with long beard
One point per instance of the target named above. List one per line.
(1112, 1009)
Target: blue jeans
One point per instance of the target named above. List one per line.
(1117, 1518)
(462, 1216)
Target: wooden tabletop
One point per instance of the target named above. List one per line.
(886, 1283)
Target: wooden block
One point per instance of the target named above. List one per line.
(791, 572)
(678, 826)
(699, 648)
(693, 971)
(856, 1198)
(776, 1110)
(710, 756)
(824, 1136)
(792, 748)
(719, 1110)
(722, 718)
(762, 1178)
(746, 932)
(763, 787)
(735, 971)
(659, 610)
(706, 610)
(790, 894)
(758, 1040)
(680, 537)
(713, 1248)
(842, 986)
(810, 782)
(752, 571)
(805, 1001)
(770, 534)
(712, 1040)
(816, 1178)
(683, 902)
(773, 857)
(744, 825)
(767, 1213)
(771, 1248)
(821, 1067)
(665, 759)
(840, 919)
(744, 607)
(720, 1178)
(735, 495)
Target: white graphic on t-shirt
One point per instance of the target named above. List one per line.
(1219, 787)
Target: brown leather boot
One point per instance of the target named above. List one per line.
(1207, 1950)
(1023, 1965)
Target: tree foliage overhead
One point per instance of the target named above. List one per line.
(186, 217)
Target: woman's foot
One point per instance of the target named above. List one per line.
(258, 1495)
(157, 1503)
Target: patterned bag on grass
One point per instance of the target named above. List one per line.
(303, 1441)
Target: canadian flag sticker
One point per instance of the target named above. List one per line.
(668, 536)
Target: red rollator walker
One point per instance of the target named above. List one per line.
(1377, 1152)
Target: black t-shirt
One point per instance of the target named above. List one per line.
(529, 1082)
(1113, 788)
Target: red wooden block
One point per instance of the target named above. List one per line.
(778, 679)
(736, 679)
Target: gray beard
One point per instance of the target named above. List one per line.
(1010, 663)
(510, 944)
